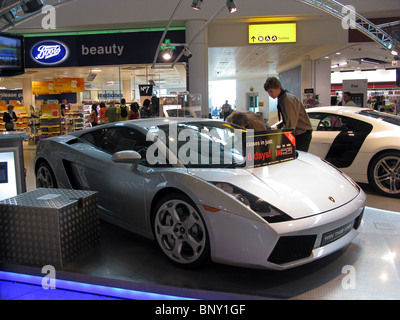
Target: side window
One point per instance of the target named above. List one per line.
(93, 137)
(328, 122)
(116, 139)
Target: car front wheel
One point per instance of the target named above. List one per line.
(384, 173)
(180, 231)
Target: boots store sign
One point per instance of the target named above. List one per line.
(95, 50)
(50, 52)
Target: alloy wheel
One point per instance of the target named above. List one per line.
(386, 174)
(180, 232)
(44, 178)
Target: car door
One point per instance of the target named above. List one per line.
(120, 187)
(325, 129)
(337, 138)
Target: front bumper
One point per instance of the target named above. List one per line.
(239, 241)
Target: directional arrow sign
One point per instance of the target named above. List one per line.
(272, 33)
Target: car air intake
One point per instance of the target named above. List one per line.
(292, 248)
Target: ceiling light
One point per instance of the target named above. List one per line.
(167, 54)
(369, 60)
(395, 52)
(196, 4)
(343, 63)
(231, 6)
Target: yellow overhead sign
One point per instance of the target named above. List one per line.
(272, 33)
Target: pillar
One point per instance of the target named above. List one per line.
(127, 90)
(316, 74)
(29, 98)
(198, 63)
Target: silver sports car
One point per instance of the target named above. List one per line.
(185, 182)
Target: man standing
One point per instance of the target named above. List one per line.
(122, 111)
(111, 112)
(292, 111)
(226, 109)
(348, 99)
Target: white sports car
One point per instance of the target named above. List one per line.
(183, 183)
(363, 143)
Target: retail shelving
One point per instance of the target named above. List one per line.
(74, 118)
(50, 121)
(388, 100)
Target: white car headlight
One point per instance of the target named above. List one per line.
(267, 211)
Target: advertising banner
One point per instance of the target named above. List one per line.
(58, 85)
(43, 87)
(269, 147)
(65, 85)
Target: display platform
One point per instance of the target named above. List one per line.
(368, 268)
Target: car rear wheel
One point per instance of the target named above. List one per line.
(180, 231)
(45, 177)
(384, 173)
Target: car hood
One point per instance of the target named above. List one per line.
(300, 188)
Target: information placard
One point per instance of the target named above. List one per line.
(270, 147)
(272, 33)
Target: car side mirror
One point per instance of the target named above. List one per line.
(127, 156)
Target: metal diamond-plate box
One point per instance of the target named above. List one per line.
(48, 226)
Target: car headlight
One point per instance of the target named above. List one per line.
(261, 207)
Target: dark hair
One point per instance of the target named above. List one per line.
(123, 101)
(134, 106)
(94, 107)
(146, 103)
(102, 105)
(348, 93)
(272, 83)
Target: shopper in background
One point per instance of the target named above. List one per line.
(348, 99)
(10, 118)
(145, 111)
(226, 109)
(102, 113)
(111, 112)
(33, 113)
(292, 112)
(122, 111)
(134, 112)
(94, 116)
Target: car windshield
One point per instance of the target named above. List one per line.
(199, 144)
(381, 116)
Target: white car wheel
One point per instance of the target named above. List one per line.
(385, 173)
(45, 177)
(180, 231)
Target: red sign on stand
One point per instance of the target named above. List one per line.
(269, 147)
